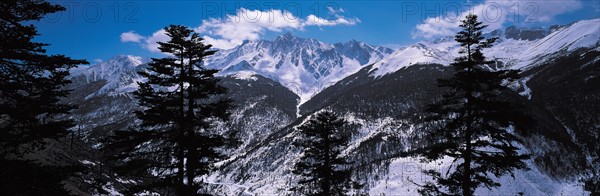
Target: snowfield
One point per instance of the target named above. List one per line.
(405, 173)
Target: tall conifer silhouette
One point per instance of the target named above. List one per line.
(180, 100)
(473, 123)
(32, 84)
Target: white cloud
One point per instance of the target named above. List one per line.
(314, 20)
(251, 24)
(246, 24)
(98, 61)
(221, 43)
(131, 36)
(333, 13)
(546, 10)
(151, 41)
(495, 14)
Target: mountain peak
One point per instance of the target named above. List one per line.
(286, 36)
(119, 73)
(304, 65)
(113, 67)
(130, 60)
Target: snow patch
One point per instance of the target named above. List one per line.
(86, 162)
(245, 75)
(108, 187)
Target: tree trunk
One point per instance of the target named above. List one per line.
(181, 136)
(466, 185)
(326, 185)
(192, 151)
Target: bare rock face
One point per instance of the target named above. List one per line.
(526, 33)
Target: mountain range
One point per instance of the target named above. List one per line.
(276, 84)
(305, 66)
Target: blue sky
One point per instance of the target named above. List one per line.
(98, 30)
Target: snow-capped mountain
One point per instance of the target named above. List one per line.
(119, 73)
(515, 48)
(305, 66)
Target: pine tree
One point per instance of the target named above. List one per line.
(31, 87)
(180, 100)
(473, 122)
(321, 168)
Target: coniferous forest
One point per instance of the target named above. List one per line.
(255, 105)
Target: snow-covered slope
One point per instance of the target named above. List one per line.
(305, 66)
(510, 51)
(266, 170)
(405, 172)
(584, 33)
(415, 54)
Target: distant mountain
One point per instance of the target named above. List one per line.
(512, 50)
(119, 73)
(305, 66)
(103, 94)
(525, 33)
(528, 34)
